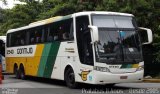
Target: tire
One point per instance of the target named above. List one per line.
(22, 74)
(70, 79)
(16, 72)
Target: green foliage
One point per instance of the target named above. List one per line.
(18, 16)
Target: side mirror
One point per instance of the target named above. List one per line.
(149, 35)
(94, 32)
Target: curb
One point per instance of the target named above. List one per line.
(152, 80)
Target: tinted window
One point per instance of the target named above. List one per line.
(17, 38)
(35, 35)
(60, 31)
(8, 40)
(57, 31)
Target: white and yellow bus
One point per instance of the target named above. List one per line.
(85, 47)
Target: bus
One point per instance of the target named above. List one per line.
(2, 51)
(92, 47)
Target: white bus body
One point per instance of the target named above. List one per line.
(86, 47)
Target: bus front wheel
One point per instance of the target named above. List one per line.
(70, 78)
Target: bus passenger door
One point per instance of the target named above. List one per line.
(84, 46)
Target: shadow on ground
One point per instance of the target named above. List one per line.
(62, 84)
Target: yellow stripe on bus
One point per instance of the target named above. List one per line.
(135, 65)
(33, 62)
(47, 21)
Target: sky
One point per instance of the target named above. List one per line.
(10, 4)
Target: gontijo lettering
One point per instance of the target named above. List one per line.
(25, 50)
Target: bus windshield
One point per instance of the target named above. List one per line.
(119, 41)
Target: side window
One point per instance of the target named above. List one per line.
(71, 33)
(68, 30)
(22, 38)
(36, 35)
(17, 38)
(51, 32)
(27, 36)
(31, 36)
(64, 30)
(8, 40)
(84, 40)
(13, 39)
(61, 31)
(45, 30)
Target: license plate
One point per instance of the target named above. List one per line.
(123, 77)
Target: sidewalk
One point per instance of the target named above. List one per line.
(152, 80)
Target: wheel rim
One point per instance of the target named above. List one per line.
(17, 73)
(15, 70)
(71, 78)
(22, 75)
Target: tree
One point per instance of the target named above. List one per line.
(19, 16)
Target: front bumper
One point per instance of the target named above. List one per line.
(109, 78)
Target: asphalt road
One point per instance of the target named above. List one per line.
(33, 85)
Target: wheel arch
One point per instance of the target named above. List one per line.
(66, 68)
(21, 66)
(15, 66)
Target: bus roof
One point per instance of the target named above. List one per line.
(58, 18)
(102, 12)
(49, 20)
(41, 22)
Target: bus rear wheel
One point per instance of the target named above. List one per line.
(70, 78)
(22, 73)
(16, 72)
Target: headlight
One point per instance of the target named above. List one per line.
(102, 69)
(140, 68)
